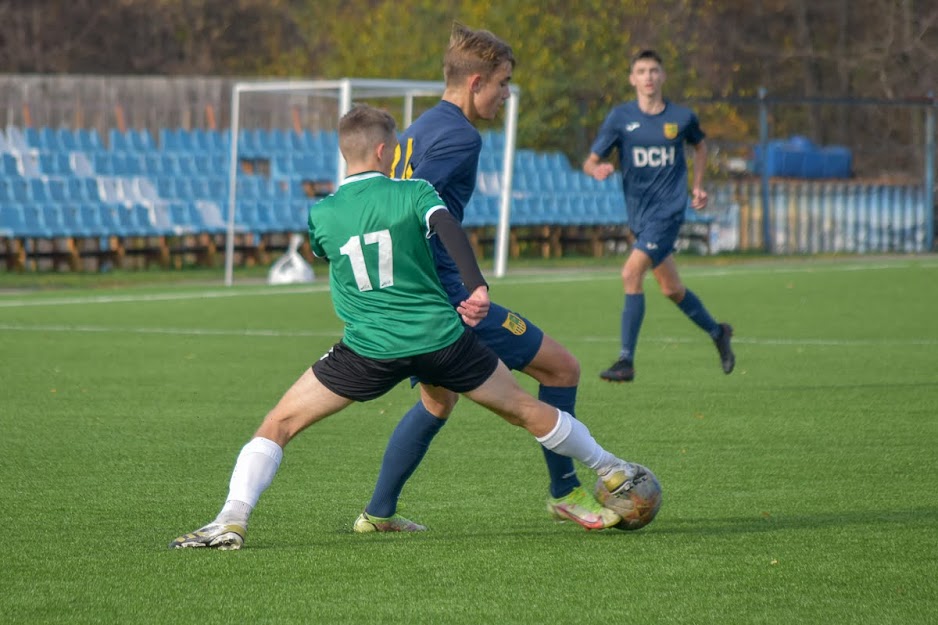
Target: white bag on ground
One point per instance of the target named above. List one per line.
(291, 268)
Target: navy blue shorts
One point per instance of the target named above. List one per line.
(657, 239)
(511, 336)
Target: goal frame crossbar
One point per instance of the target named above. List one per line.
(346, 90)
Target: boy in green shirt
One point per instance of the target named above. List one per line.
(374, 232)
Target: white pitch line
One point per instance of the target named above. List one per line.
(783, 342)
(160, 297)
(548, 277)
(170, 331)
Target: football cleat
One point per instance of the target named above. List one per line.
(366, 523)
(213, 535)
(621, 476)
(581, 507)
(620, 371)
(727, 358)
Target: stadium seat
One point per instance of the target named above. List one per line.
(34, 225)
(12, 220)
(31, 136)
(19, 190)
(38, 191)
(109, 189)
(203, 164)
(185, 163)
(80, 164)
(67, 140)
(90, 217)
(58, 192)
(10, 165)
(183, 218)
(210, 216)
(91, 190)
(49, 140)
(53, 217)
(89, 140)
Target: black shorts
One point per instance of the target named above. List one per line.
(462, 366)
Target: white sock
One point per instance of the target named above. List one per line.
(254, 471)
(573, 439)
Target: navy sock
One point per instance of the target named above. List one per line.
(563, 477)
(633, 314)
(405, 450)
(694, 309)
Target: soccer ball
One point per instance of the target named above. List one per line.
(636, 501)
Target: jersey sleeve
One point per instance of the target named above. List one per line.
(693, 134)
(608, 136)
(314, 244)
(427, 202)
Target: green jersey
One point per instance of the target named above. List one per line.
(374, 232)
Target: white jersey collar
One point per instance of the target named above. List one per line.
(365, 175)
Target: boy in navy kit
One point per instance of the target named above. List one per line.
(442, 147)
(649, 134)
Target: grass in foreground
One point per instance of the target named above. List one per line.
(798, 489)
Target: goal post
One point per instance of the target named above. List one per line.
(347, 91)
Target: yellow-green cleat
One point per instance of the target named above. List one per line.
(581, 507)
(366, 523)
(214, 536)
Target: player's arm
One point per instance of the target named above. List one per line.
(596, 168)
(457, 245)
(605, 140)
(698, 195)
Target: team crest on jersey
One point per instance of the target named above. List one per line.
(670, 131)
(515, 324)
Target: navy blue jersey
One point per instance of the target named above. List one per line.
(651, 155)
(442, 147)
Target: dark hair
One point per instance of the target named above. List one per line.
(647, 55)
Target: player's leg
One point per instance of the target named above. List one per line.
(633, 314)
(305, 403)
(470, 366)
(404, 452)
(554, 429)
(671, 286)
(521, 345)
(558, 373)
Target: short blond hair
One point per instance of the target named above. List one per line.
(363, 128)
(473, 51)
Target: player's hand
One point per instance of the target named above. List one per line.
(698, 199)
(603, 171)
(475, 307)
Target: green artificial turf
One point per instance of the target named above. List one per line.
(799, 489)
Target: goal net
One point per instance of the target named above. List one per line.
(294, 114)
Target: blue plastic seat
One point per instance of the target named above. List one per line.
(34, 225)
(90, 216)
(199, 186)
(67, 139)
(203, 164)
(185, 163)
(183, 217)
(12, 221)
(89, 139)
(9, 165)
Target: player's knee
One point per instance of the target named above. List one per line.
(568, 370)
(673, 293)
(632, 279)
(440, 406)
